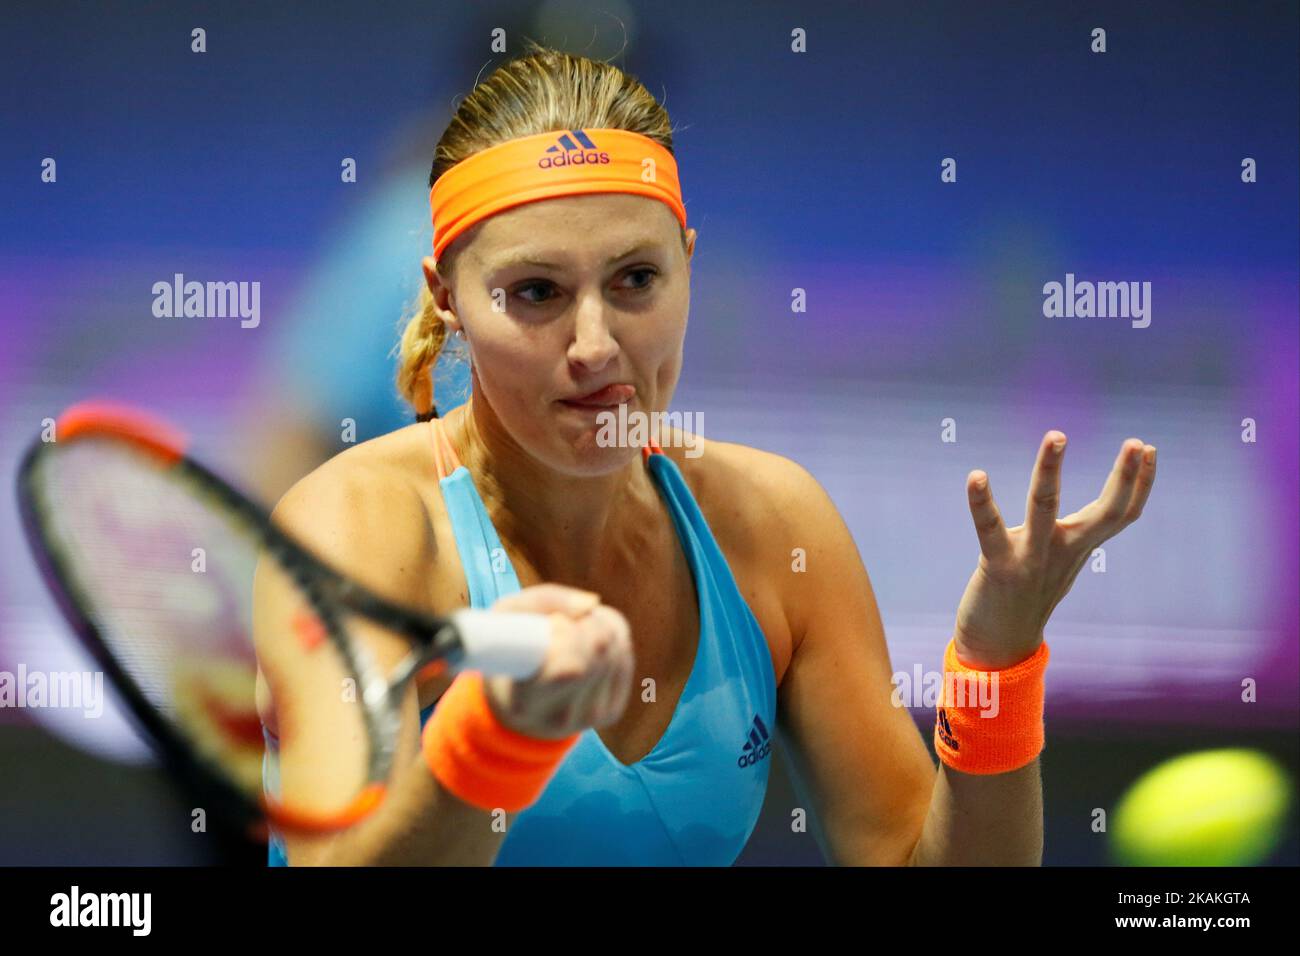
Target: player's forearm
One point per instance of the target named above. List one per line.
(983, 820)
(419, 823)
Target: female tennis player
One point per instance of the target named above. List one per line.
(684, 639)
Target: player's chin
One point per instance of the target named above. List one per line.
(592, 437)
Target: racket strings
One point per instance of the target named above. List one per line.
(166, 572)
(153, 562)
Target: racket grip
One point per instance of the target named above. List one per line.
(506, 643)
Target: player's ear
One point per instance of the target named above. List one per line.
(439, 286)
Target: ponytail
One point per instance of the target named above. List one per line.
(422, 342)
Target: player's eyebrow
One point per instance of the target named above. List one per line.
(526, 258)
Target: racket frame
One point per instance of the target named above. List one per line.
(330, 593)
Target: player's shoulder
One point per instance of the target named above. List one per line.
(377, 473)
(730, 470)
(764, 509)
(364, 507)
(744, 489)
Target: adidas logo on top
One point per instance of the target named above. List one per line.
(758, 746)
(574, 148)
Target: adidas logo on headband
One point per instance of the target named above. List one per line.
(568, 153)
(551, 164)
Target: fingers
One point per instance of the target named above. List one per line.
(1127, 486)
(584, 677)
(1146, 477)
(614, 690)
(1124, 494)
(994, 541)
(1118, 490)
(566, 657)
(580, 706)
(1122, 498)
(1044, 492)
(549, 598)
(603, 642)
(617, 693)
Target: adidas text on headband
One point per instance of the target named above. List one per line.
(547, 165)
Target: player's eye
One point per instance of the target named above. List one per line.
(649, 274)
(535, 284)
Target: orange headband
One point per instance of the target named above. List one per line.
(546, 165)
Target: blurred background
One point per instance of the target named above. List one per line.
(817, 171)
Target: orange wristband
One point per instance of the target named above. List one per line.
(990, 721)
(479, 759)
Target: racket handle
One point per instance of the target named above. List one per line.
(505, 643)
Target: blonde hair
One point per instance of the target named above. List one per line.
(543, 90)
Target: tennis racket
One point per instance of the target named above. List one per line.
(156, 562)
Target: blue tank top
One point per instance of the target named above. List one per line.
(694, 799)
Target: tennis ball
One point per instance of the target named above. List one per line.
(1213, 808)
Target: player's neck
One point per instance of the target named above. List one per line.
(566, 526)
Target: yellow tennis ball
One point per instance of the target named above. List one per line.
(1213, 808)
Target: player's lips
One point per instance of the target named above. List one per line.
(607, 397)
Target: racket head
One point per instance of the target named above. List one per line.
(158, 565)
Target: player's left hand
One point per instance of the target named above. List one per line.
(1024, 571)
